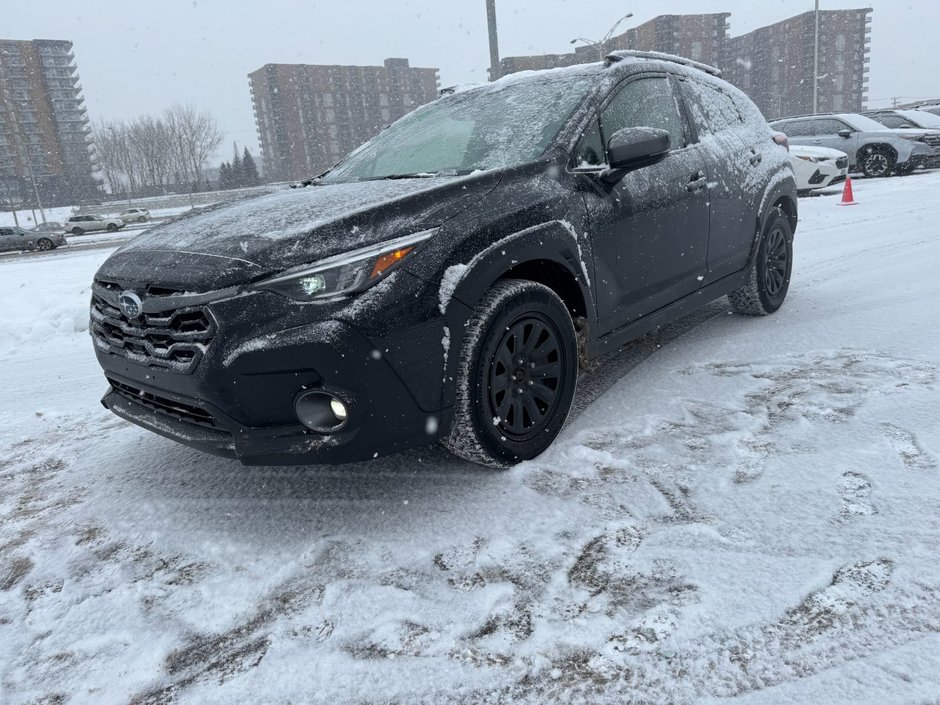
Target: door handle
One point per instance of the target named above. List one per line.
(698, 181)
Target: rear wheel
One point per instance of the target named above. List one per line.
(769, 279)
(517, 375)
(878, 161)
(44, 244)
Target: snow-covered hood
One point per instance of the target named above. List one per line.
(801, 150)
(235, 242)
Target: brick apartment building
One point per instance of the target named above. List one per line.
(309, 116)
(45, 137)
(773, 64)
(701, 37)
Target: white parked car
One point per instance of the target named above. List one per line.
(81, 224)
(135, 215)
(817, 167)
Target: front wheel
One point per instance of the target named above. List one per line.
(44, 244)
(77, 231)
(877, 162)
(141, 219)
(112, 228)
(517, 374)
(769, 278)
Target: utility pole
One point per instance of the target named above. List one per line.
(816, 65)
(494, 39)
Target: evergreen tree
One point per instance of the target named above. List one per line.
(249, 169)
(238, 175)
(225, 176)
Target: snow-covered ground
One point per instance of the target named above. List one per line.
(750, 514)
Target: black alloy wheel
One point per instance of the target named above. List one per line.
(525, 376)
(769, 277)
(44, 244)
(112, 227)
(516, 375)
(776, 262)
(77, 231)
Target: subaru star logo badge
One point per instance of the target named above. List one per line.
(131, 305)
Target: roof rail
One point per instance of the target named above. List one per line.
(617, 56)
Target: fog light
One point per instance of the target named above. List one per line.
(338, 408)
(321, 412)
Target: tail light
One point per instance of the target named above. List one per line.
(782, 140)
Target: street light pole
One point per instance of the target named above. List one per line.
(603, 42)
(494, 39)
(816, 65)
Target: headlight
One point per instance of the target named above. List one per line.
(348, 273)
(814, 160)
(915, 138)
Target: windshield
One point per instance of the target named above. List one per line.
(923, 118)
(501, 125)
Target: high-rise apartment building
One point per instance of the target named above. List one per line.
(699, 37)
(45, 138)
(309, 116)
(774, 64)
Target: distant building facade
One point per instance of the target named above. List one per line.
(699, 37)
(45, 139)
(309, 116)
(774, 64)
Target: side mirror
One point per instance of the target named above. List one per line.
(635, 147)
(845, 133)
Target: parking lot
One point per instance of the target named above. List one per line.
(740, 509)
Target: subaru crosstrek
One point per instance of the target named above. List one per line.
(444, 281)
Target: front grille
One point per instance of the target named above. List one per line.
(933, 140)
(162, 405)
(842, 163)
(174, 339)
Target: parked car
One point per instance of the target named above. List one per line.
(444, 280)
(872, 148)
(817, 167)
(49, 226)
(135, 215)
(913, 120)
(81, 224)
(17, 240)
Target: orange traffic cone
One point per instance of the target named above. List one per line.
(848, 199)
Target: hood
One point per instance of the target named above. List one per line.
(234, 242)
(819, 152)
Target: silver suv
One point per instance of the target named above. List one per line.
(81, 224)
(873, 149)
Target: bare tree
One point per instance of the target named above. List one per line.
(196, 135)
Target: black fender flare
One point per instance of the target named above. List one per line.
(780, 192)
(464, 285)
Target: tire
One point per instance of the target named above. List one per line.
(769, 278)
(879, 161)
(77, 231)
(141, 219)
(44, 244)
(112, 228)
(496, 422)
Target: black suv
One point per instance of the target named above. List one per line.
(445, 279)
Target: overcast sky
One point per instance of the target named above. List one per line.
(138, 57)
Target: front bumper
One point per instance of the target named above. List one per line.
(239, 401)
